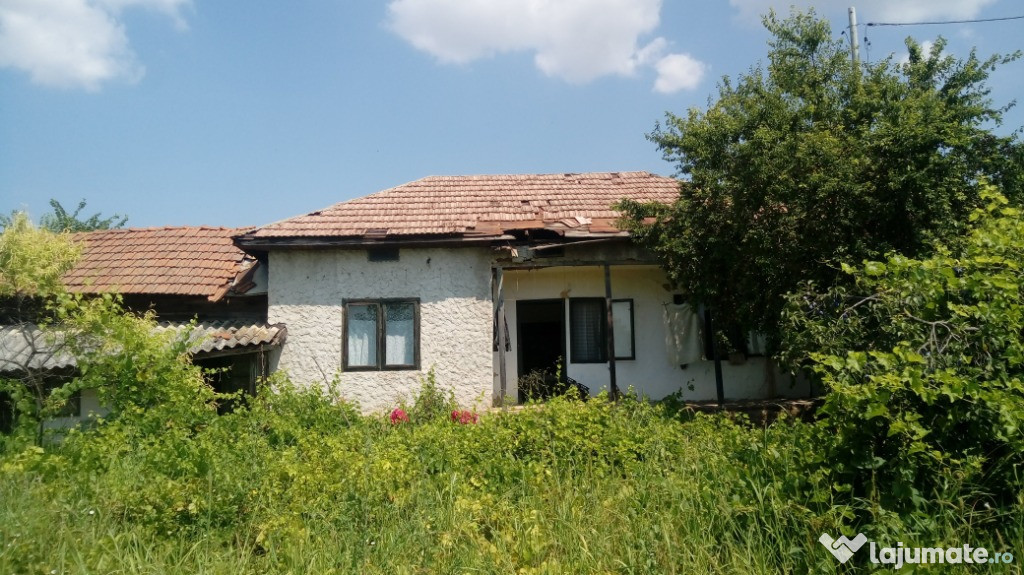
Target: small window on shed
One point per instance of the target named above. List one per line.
(554, 252)
(382, 254)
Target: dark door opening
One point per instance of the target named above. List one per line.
(6, 413)
(540, 331)
(230, 374)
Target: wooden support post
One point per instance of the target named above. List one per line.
(498, 287)
(610, 331)
(719, 385)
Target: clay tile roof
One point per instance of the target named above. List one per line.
(479, 206)
(170, 260)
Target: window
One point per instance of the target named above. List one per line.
(73, 406)
(384, 254)
(622, 323)
(381, 334)
(588, 342)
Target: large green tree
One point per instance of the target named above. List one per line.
(811, 160)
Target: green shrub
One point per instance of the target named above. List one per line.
(924, 367)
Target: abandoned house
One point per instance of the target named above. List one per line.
(502, 286)
(488, 281)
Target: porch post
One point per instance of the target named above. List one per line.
(719, 385)
(610, 331)
(499, 315)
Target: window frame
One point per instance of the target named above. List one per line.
(604, 329)
(381, 333)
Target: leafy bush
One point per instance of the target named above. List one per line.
(299, 482)
(924, 366)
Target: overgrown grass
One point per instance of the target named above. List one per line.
(299, 483)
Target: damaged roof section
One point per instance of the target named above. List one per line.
(209, 338)
(477, 207)
(186, 261)
(29, 347)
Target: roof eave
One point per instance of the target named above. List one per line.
(307, 242)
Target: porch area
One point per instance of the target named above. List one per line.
(606, 318)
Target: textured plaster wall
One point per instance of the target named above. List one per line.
(453, 285)
(652, 372)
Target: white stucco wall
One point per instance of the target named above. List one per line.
(453, 285)
(652, 373)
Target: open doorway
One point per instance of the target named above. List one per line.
(540, 330)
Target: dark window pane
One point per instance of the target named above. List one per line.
(587, 341)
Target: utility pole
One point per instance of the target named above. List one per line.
(854, 46)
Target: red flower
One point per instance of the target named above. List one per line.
(464, 417)
(399, 416)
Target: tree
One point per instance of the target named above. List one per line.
(923, 360)
(130, 364)
(811, 161)
(33, 262)
(62, 221)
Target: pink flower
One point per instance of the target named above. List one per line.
(399, 415)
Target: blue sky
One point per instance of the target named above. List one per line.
(188, 112)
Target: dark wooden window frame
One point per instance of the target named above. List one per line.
(603, 351)
(602, 347)
(382, 364)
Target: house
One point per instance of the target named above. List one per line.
(180, 274)
(485, 280)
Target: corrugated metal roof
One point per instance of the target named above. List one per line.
(480, 206)
(170, 260)
(28, 346)
(213, 336)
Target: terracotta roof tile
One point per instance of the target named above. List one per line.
(171, 260)
(478, 206)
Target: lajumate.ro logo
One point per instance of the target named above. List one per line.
(843, 548)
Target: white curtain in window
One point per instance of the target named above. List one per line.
(362, 335)
(399, 334)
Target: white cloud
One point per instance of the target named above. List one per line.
(678, 72)
(870, 10)
(575, 40)
(73, 43)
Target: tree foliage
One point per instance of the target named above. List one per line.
(810, 161)
(33, 260)
(60, 220)
(131, 366)
(924, 363)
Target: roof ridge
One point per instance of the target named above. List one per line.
(161, 228)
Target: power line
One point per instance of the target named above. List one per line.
(944, 22)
